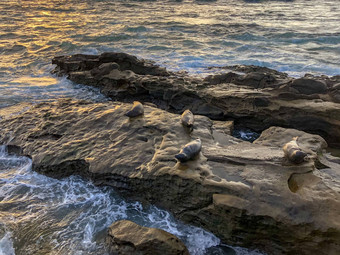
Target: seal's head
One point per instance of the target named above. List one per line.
(182, 157)
(299, 156)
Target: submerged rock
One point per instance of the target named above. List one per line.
(257, 97)
(243, 192)
(128, 238)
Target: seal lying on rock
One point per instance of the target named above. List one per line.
(187, 119)
(189, 151)
(293, 152)
(136, 110)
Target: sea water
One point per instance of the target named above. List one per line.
(41, 215)
(297, 37)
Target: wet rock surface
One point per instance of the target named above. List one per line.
(258, 97)
(245, 193)
(128, 238)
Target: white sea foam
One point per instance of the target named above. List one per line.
(6, 245)
(71, 215)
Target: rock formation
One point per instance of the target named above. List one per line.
(245, 193)
(128, 238)
(256, 97)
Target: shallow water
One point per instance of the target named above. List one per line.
(40, 215)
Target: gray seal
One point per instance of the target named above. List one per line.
(136, 110)
(187, 119)
(294, 153)
(189, 151)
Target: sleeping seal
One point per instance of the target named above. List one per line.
(187, 119)
(136, 110)
(293, 152)
(189, 151)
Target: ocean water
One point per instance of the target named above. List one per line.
(297, 37)
(40, 215)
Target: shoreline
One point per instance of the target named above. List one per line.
(232, 189)
(268, 97)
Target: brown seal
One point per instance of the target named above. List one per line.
(293, 152)
(136, 110)
(187, 119)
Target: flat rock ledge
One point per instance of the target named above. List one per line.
(245, 193)
(255, 97)
(128, 238)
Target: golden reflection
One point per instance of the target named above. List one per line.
(44, 23)
(36, 81)
(40, 30)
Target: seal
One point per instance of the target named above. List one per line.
(136, 110)
(187, 119)
(293, 152)
(189, 151)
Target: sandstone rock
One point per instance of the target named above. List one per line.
(243, 192)
(252, 69)
(258, 99)
(277, 136)
(82, 62)
(336, 86)
(224, 127)
(221, 78)
(335, 93)
(255, 80)
(104, 69)
(128, 238)
(309, 86)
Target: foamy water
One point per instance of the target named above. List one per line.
(42, 215)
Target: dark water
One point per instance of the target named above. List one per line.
(40, 215)
(245, 134)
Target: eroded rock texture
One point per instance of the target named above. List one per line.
(258, 97)
(245, 193)
(128, 238)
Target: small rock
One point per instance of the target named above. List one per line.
(128, 238)
(221, 78)
(309, 86)
(225, 127)
(104, 69)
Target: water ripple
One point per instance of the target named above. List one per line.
(71, 215)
